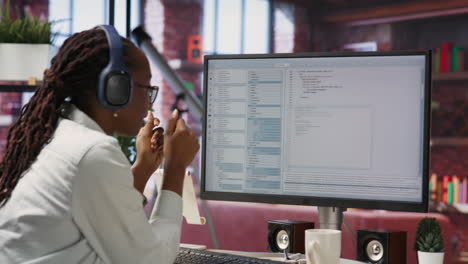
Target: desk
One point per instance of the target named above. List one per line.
(275, 256)
(266, 255)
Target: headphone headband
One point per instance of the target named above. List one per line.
(115, 45)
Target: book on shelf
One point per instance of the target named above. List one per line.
(449, 189)
(461, 60)
(445, 58)
(449, 58)
(445, 185)
(433, 187)
(464, 191)
(440, 191)
(454, 60)
(450, 193)
(456, 189)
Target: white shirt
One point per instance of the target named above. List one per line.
(77, 204)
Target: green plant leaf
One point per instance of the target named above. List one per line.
(429, 236)
(25, 29)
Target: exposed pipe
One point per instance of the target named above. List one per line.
(144, 41)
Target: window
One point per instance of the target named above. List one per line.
(75, 16)
(236, 26)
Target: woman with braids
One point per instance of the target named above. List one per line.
(67, 192)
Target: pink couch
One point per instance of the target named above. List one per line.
(243, 226)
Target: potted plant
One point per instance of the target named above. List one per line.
(429, 242)
(25, 46)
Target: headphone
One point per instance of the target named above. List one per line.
(115, 81)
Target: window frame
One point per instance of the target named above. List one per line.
(215, 36)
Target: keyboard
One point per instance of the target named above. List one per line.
(195, 256)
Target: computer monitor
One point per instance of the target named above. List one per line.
(334, 130)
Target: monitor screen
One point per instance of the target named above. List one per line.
(326, 129)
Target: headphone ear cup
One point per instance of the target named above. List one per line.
(118, 89)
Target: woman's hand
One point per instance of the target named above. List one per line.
(180, 147)
(180, 143)
(149, 145)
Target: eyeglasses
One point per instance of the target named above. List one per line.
(152, 91)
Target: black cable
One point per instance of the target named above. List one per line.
(175, 106)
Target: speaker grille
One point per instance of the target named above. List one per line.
(375, 250)
(381, 246)
(282, 240)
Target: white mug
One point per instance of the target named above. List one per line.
(323, 246)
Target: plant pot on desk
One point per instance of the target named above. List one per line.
(430, 257)
(24, 61)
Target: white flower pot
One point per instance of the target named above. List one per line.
(19, 62)
(430, 257)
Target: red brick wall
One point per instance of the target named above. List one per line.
(302, 32)
(450, 119)
(182, 18)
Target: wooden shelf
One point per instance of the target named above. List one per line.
(449, 141)
(183, 65)
(450, 76)
(444, 208)
(17, 88)
(398, 12)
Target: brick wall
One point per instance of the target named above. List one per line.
(302, 32)
(450, 119)
(177, 20)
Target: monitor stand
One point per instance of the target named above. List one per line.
(330, 217)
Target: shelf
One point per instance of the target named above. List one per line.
(186, 65)
(443, 208)
(450, 76)
(17, 88)
(398, 12)
(449, 141)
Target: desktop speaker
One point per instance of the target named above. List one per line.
(194, 49)
(287, 235)
(381, 246)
